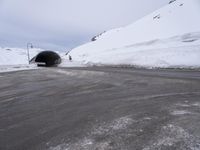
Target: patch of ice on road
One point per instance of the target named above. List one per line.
(183, 105)
(92, 73)
(102, 137)
(59, 147)
(196, 104)
(173, 137)
(85, 144)
(180, 112)
(68, 73)
(165, 95)
(80, 73)
(121, 123)
(118, 124)
(147, 118)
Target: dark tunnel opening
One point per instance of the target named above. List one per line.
(48, 59)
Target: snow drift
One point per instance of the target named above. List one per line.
(169, 37)
(16, 56)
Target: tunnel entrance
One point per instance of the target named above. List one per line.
(48, 59)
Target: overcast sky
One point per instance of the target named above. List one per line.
(64, 24)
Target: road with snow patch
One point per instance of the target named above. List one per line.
(100, 108)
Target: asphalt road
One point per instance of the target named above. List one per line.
(100, 108)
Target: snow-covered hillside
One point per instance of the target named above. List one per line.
(15, 59)
(16, 56)
(169, 37)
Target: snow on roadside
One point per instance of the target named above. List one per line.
(15, 59)
(67, 63)
(12, 68)
(164, 53)
(16, 56)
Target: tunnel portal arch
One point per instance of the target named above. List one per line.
(48, 59)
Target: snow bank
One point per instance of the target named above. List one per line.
(12, 68)
(16, 56)
(67, 63)
(169, 37)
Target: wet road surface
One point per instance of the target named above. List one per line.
(100, 108)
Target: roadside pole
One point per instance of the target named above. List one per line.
(28, 53)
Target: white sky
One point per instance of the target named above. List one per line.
(63, 24)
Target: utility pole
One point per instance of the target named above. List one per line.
(28, 54)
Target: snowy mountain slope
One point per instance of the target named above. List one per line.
(168, 37)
